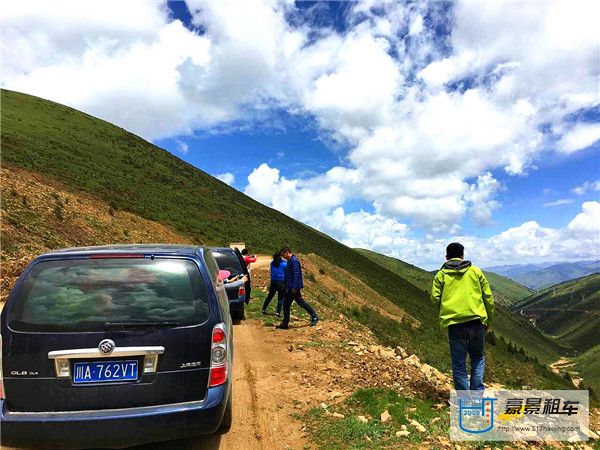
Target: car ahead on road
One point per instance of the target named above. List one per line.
(238, 292)
(116, 346)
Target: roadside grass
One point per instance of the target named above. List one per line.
(254, 309)
(328, 432)
(331, 433)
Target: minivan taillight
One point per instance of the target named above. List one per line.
(1, 375)
(218, 356)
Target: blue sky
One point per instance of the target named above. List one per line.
(394, 126)
(304, 154)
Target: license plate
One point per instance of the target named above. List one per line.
(105, 371)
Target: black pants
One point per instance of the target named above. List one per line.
(287, 304)
(279, 287)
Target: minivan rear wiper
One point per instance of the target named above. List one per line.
(141, 324)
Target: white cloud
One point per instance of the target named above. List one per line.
(526, 243)
(182, 147)
(365, 230)
(530, 242)
(480, 195)
(227, 178)
(587, 223)
(559, 202)
(579, 137)
(416, 26)
(307, 200)
(551, 49)
(587, 186)
(120, 63)
(420, 114)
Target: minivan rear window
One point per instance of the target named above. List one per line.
(94, 294)
(228, 260)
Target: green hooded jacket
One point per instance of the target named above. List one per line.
(462, 293)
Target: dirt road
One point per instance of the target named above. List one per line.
(261, 397)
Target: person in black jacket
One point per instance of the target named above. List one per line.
(293, 290)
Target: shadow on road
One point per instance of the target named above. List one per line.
(208, 442)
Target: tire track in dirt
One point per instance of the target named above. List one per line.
(251, 382)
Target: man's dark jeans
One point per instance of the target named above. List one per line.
(279, 287)
(287, 303)
(467, 338)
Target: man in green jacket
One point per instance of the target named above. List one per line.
(466, 305)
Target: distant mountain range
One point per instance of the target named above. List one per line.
(537, 276)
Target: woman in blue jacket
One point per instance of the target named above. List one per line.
(278, 265)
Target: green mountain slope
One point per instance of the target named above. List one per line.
(506, 291)
(569, 311)
(512, 327)
(130, 174)
(588, 366)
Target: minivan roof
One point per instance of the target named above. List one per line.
(171, 249)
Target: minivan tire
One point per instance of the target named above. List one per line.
(239, 315)
(227, 416)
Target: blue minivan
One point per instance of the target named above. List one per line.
(115, 346)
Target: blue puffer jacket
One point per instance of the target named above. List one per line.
(278, 273)
(293, 274)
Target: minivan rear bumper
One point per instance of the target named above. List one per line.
(115, 428)
(237, 305)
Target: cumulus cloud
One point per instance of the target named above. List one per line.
(118, 62)
(480, 195)
(425, 116)
(307, 200)
(528, 242)
(587, 223)
(227, 178)
(579, 137)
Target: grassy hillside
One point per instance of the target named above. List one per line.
(506, 291)
(40, 214)
(419, 277)
(131, 175)
(588, 366)
(569, 311)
